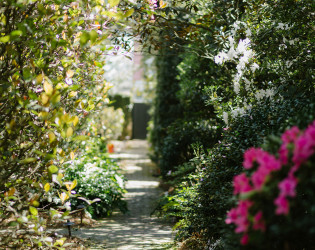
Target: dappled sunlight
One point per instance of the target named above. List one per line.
(136, 229)
(127, 156)
(142, 184)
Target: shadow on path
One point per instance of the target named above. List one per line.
(136, 229)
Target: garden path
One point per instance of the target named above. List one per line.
(136, 229)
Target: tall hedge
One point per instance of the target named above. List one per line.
(259, 81)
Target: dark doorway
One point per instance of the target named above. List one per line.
(140, 119)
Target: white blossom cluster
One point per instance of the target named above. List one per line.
(261, 93)
(243, 55)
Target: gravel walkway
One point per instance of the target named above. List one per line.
(136, 229)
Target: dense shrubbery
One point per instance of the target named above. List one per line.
(98, 178)
(275, 208)
(256, 69)
(51, 79)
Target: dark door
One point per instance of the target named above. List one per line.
(140, 119)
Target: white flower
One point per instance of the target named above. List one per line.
(68, 206)
(247, 83)
(231, 54)
(260, 94)
(69, 81)
(235, 25)
(248, 32)
(269, 93)
(238, 76)
(254, 66)
(242, 46)
(240, 66)
(288, 64)
(234, 113)
(226, 118)
(236, 87)
(220, 58)
(232, 41)
(280, 26)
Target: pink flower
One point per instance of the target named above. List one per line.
(231, 216)
(282, 205)
(269, 162)
(259, 223)
(259, 177)
(310, 133)
(242, 224)
(304, 148)
(241, 184)
(250, 156)
(290, 135)
(294, 169)
(239, 215)
(245, 239)
(283, 154)
(287, 187)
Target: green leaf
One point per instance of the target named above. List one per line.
(16, 33)
(81, 138)
(34, 211)
(48, 88)
(69, 132)
(4, 39)
(27, 160)
(47, 187)
(52, 137)
(84, 38)
(60, 242)
(13, 224)
(129, 12)
(53, 169)
(113, 3)
(93, 36)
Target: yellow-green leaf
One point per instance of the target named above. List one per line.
(70, 73)
(75, 121)
(162, 4)
(44, 98)
(39, 78)
(129, 12)
(84, 38)
(63, 197)
(66, 118)
(48, 88)
(27, 160)
(93, 36)
(113, 3)
(72, 155)
(56, 98)
(52, 137)
(60, 242)
(47, 187)
(16, 33)
(69, 132)
(53, 169)
(34, 211)
(4, 39)
(73, 94)
(73, 184)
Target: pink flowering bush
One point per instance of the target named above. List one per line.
(276, 194)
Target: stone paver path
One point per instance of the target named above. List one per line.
(136, 229)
